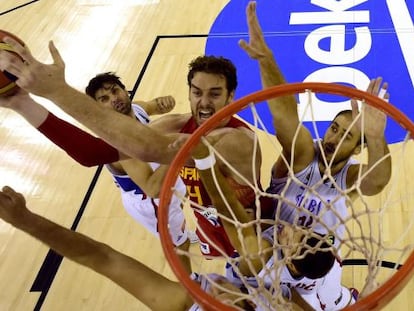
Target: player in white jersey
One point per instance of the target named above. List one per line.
(139, 182)
(285, 260)
(141, 206)
(301, 158)
(301, 206)
(312, 283)
(305, 277)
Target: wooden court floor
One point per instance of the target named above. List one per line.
(93, 36)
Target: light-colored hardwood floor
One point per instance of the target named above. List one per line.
(93, 36)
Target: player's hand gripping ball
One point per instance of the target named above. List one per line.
(7, 85)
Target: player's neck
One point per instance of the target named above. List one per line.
(333, 169)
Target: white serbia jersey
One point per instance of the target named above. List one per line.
(143, 208)
(310, 197)
(323, 294)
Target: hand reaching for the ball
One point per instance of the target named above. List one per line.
(33, 76)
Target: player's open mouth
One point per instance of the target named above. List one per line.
(120, 107)
(329, 148)
(205, 114)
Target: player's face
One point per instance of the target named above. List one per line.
(208, 94)
(114, 97)
(334, 134)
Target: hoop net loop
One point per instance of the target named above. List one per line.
(378, 293)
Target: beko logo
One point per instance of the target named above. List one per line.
(335, 18)
(348, 41)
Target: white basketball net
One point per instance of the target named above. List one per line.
(378, 231)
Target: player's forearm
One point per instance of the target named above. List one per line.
(78, 144)
(34, 113)
(283, 108)
(227, 204)
(222, 196)
(68, 243)
(128, 273)
(270, 72)
(379, 166)
(122, 132)
(81, 146)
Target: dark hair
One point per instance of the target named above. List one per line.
(214, 65)
(319, 257)
(99, 80)
(343, 112)
(247, 306)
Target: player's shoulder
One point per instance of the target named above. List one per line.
(140, 113)
(235, 134)
(170, 123)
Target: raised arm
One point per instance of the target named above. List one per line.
(284, 109)
(158, 105)
(377, 171)
(84, 148)
(23, 104)
(78, 144)
(149, 180)
(125, 134)
(142, 282)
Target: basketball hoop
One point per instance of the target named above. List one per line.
(375, 299)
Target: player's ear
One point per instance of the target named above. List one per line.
(231, 97)
(357, 150)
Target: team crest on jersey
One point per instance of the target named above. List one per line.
(210, 213)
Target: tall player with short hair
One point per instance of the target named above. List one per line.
(213, 81)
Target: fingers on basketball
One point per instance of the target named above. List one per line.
(7, 80)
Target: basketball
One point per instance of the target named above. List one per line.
(7, 85)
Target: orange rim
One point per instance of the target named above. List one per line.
(377, 299)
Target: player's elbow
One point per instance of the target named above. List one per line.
(153, 192)
(90, 160)
(374, 187)
(376, 180)
(87, 162)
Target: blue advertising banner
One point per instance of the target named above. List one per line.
(348, 42)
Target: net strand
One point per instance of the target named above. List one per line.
(363, 227)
